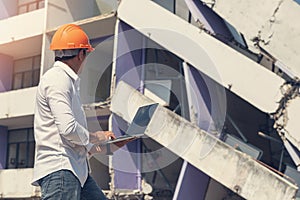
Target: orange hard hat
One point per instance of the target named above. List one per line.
(70, 36)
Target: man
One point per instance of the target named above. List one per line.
(60, 127)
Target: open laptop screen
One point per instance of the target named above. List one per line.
(139, 123)
(141, 120)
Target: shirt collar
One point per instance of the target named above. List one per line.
(67, 69)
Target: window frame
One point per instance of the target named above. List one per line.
(28, 143)
(33, 71)
(38, 5)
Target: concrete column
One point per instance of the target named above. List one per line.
(129, 54)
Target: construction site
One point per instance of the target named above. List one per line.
(223, 76)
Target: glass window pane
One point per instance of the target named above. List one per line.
(17, 136)
(236, 35)
(30, 135)
(166, 66)
(22, 155)
(37, 62)
(21, 148)
(27, 82)
(18, 81)
(151, 60)
(32, 6)
(23, 65)
(12, 156)
(22, 9)
(36, 77)
(31, 151)
(41, 4)
(167, 4)
(182, 9)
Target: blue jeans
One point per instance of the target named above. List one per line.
(64, 185)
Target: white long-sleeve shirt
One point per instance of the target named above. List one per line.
(60, 127)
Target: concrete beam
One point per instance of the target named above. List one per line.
(249, 80)
(232, 168)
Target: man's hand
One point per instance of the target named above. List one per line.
(101, 136)
(95, 149)
(102, 149)
(122, 143)
(117, 145)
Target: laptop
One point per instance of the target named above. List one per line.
(138, 125)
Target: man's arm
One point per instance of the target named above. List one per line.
(60, 102)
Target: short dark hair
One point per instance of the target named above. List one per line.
(64, 58)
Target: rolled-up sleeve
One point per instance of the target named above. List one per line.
(59, 97)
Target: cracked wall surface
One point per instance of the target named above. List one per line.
(266, 32)
(273, 22)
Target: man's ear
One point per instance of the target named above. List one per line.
(81, 55)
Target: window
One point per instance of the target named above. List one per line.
(21, 147)
(25, 6)
(163, 74)
(177, 7)
(26, 72)
(238, 38)
(167, 4)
